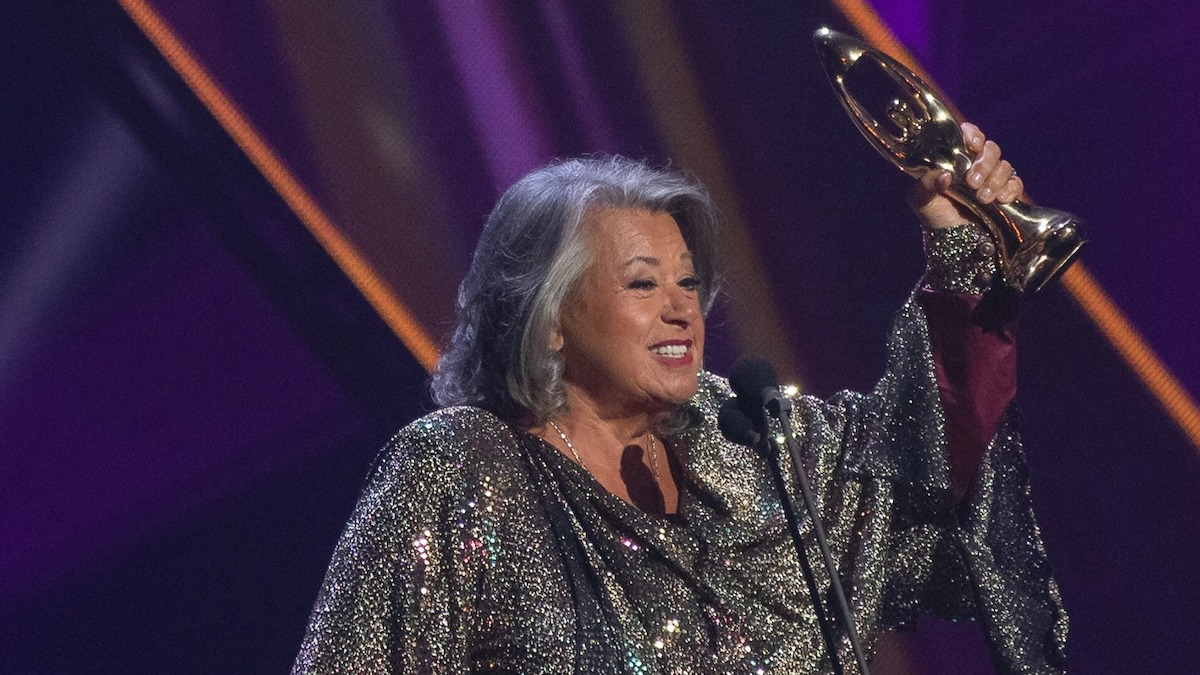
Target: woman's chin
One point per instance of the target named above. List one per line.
(682, 393)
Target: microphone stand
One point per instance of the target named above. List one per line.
(779, 407)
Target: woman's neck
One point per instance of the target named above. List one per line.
(621, 451)
(608, 425)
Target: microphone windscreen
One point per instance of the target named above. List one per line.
(735, 425)
(750, 377)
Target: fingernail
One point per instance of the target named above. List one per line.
(985, 194)
(976, 179)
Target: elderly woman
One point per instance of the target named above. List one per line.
(574, 508)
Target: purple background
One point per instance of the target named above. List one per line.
(191, 391)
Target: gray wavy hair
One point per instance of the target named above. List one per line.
(529, 258)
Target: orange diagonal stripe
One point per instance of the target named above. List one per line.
(369, 283)
(1130, 345)
(1080, 284)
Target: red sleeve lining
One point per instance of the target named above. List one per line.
(975, 361)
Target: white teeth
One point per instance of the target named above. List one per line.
(672, 351)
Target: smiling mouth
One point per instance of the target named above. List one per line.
(676, 352)
(671, 351)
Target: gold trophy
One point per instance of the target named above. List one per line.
(1033, 244)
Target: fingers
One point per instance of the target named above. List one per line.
(986, 163)
(974, 137)
(995, 182)
(936, 181)
(1012, 187)
(992, 178)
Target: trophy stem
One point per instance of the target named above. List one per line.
(1034, 244)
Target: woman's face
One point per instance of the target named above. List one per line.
(631, 332)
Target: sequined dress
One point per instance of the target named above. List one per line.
(477, 547)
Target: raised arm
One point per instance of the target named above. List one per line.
(971, 317)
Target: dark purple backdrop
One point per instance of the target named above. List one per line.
(191, 391)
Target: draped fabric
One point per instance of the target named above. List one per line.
(477, 546)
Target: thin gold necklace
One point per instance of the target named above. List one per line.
(579, 460)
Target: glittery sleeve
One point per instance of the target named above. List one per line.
(959, 259)
(992, 535)
(397, 594)
(905, 543)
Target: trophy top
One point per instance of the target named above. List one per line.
(838, 51)
(922, 133)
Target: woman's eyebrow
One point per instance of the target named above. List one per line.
(651, 260)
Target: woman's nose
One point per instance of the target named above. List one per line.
(680, 307)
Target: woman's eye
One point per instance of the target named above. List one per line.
(689, 283)
(643, 284)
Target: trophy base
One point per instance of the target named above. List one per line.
(1040, 262)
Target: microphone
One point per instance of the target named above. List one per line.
(735, 425)
(754, 382)
(756, 387)
(741, 418)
